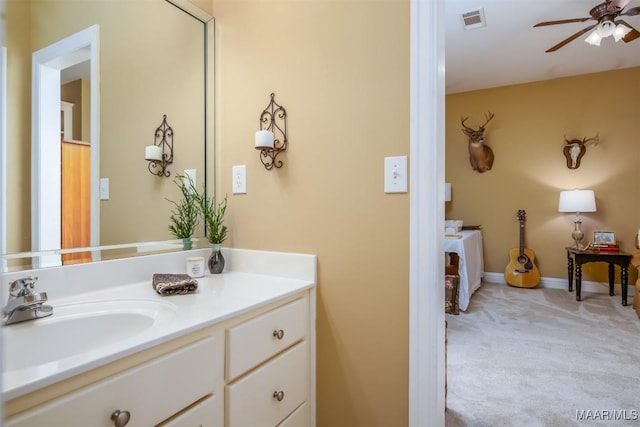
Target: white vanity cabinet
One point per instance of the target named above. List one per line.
(255, 368)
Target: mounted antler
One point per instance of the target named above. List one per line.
(575, 149)
(480, 155)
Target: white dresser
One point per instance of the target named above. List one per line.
(468, 245)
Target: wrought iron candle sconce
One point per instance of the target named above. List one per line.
(160, 154)
(271, 139)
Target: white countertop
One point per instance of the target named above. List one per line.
(219, 297)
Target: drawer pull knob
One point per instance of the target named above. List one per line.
(279, 334)
(120, 418)
(278, 395)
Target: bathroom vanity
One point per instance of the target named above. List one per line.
(239, 352)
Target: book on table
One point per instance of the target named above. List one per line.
(605, 247)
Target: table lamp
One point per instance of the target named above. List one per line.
(577, 201)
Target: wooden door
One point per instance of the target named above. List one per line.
(76, 200)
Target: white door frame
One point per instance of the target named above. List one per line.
(3, 165)
(426, 270)
(3, 156)
(45, 132)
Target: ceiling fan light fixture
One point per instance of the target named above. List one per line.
(606, 29)
(607, 24)
(620, 31)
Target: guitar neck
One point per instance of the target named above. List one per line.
(521, 238)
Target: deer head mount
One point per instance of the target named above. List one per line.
(480, 155)
(575, 149)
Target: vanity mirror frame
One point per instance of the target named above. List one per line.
(137, 247)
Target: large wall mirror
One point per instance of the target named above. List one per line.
(145, 59)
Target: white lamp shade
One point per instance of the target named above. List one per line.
(593, 38)
(577, 201)
(447, 191)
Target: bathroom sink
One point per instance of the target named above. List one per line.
(74, 329)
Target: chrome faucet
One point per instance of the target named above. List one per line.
(23, 303)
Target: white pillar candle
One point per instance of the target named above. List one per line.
(264, 139)
(195, 266)
(153, 152)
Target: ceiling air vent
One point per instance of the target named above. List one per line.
(474, 19)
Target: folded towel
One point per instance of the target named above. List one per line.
(174, 284)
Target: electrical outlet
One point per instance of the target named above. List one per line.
(239, 179)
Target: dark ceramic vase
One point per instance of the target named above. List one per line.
(216, 260)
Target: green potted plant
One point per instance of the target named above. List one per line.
(185, 213)
(215, 230)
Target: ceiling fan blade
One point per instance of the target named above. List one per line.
(562, 21)
(631, 35)
(617, 4)
(632, 12)
(570, 39)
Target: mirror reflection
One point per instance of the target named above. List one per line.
(77, 174)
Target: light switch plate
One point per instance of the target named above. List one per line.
(239, 179)
(104, 188)
(395, 174)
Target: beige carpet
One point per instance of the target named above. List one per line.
(537, 357)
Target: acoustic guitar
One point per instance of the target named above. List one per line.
(521, 271)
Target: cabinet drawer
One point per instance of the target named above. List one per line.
(251, 401)
(151, 392)
(300, 418)
(206, 413)
(254, 341)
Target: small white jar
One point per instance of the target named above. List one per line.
(195, 266)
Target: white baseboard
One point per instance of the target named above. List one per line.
(556, 283)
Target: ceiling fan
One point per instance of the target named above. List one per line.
(606, 14)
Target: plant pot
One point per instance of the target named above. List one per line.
(187, 244)
(216, 260)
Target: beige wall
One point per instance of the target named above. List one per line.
(527, 137)
(18, 40)
(138, 85)
(342, 71)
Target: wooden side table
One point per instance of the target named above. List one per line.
(579, 257)
(635, 261)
